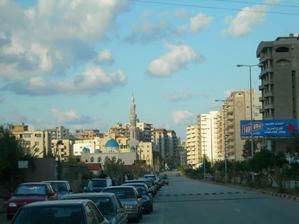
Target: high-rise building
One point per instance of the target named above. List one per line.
(160, 142)
(145, 131)
(279, 62)
(208, 125)
(192, 145)
(237, 107)
(88, 134)
(145, 152)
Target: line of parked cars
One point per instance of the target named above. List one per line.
(53, 202)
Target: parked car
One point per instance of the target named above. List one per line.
(97, 184)
(147, 198)
(108, 204)
(129, 198)
(60, 211)
(149, 182)
(61, 187)
(27, 193)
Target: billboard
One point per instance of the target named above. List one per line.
(269, 128)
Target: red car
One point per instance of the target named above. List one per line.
(27, 193)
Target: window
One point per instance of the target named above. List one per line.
(282, 49)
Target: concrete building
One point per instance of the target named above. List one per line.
(62, 149)
(160, 142)
(120, 129)
(237, 107)
(145, 153)
(37, 143)
(194, 154)
(145, 131)
(59, 133)
(88, 134)
(279, 62)
(210, 137)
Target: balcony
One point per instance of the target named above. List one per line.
(267, 82)
(267, 93)
(261, 87)
(261, 99)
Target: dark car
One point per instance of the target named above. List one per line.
(61, 187)
(97, 184)
(129, 198)
(27, 193)
(147, 198)
(60, 211)
(107, 203)
(149, 182)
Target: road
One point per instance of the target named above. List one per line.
(191, 201)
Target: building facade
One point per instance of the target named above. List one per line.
(192, 145)
(279, 63)
(237, 107)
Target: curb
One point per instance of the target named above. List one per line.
(281, 195)
(274, 194)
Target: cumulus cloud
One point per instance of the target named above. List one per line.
(105, 57)
(177, 57)
(53, 36)
(70, 117)
(182, 117)
(242, 23)
(199, 22)
(93, 80)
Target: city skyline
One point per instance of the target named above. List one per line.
(82, 73)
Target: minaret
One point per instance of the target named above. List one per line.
(132, 127)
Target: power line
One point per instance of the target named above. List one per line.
(212, 7)
(257, 3)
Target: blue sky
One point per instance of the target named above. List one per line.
(77, 63)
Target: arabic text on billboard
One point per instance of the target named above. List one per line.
(269, 128)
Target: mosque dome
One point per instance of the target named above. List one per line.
(112, 144)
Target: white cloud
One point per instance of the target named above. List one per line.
(177, 57)
(199, 22)
(69, 117)
(242, 23)
(182, 117)
(53, 36)
(105, 56)
(93, 80)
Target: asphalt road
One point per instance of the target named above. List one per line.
(191, 201)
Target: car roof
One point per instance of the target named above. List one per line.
(120, 187)
(135, 184)
(57, 202)
(56, 181)
(34, 183)
(89, 195)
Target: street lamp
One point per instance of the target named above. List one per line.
(225, 142)
(251, 115)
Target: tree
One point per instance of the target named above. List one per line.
(11, 151)
(114, 168)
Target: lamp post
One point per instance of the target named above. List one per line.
(251, 114)
(225, 142)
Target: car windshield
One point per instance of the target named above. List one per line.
(31, 190)
(99, 183)
(141, 190)
(50, 215)
(59, 186)
(121, 193)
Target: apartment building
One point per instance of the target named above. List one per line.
(236, 108)
(192, 145)
(210, 135)
(37, 143)
(145, 131)
(279, 63)
(145, 152)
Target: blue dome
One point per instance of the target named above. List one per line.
(112, 144)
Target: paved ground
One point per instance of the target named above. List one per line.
(191, 201)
